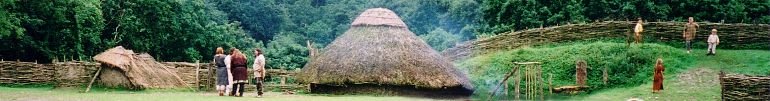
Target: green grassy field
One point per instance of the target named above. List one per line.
(50, 94)
(699, 83)
(689, 77)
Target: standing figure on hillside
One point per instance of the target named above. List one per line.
(713, 42)
(657, 80)
(689, 33)
(638, 31)
(259, 70)
(239, 71)
(221, 77)
(228, 65)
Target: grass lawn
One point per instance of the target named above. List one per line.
(49, 94)
(698, 83)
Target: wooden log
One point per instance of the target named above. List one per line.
(503, 82)
(93, 79)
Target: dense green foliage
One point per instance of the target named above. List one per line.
(78, 29)
(439, 39)
(505, 15)
(189, 30)
(625, 66)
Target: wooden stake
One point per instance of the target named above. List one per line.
(605, 76)
(93, 79)
(504, 79)
(197, 75)
(518, 83)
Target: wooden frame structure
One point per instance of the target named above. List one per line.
(534, 84)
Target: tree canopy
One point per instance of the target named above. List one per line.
(190, 30)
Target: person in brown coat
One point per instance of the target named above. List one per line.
(689, 33)
(239, 72)
(657, 80)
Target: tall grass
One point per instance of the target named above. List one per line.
(626, 66)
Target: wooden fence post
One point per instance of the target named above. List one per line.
(197, 75)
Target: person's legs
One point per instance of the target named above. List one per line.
(259, 86)
(221, 90)
(710, 49)
(240, 89)
(688, 45)
(229, 89)
(637, 37)
(234, 89)
(714, 49)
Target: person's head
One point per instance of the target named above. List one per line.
(236, 53)
(232, 50)
(713, 31)
(220, 50)
(257, 51)
(659, 62)
(690, 19)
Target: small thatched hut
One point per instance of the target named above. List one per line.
(379, 55)
(124, 68)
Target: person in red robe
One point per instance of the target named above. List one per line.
(657, 80)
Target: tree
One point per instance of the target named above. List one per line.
(440, 39)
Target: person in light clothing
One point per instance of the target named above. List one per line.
(638, 31)
(713, 42)
(228, 65)
(259, 70)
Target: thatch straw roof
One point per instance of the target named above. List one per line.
(380, 50)
(378, 17)
(141, 70)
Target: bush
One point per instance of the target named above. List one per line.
(626, 66)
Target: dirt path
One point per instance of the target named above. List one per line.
(695, 84)
(697, 78)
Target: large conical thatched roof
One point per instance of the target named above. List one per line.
(379, 49)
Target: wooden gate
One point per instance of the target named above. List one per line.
(528, 74)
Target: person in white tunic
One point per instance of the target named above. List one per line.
(228, 59)
(713, 41)
(638, 31)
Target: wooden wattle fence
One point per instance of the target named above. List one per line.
(62, 74)
(200, 76)
(737, 87)
(732, 36)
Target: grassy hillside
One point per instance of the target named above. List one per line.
(629, 68)
(699, 83)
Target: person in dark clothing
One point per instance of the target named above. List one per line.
(239, 72)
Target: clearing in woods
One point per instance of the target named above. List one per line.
(699, 83)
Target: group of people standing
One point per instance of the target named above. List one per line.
(688, 33)
(232, 74)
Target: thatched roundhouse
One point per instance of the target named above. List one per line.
(124, 68)
(379, 55)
